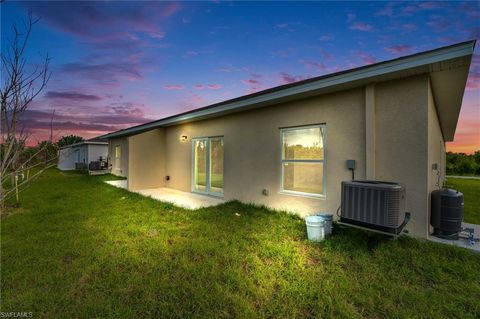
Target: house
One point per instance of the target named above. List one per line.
(80, 155)
(287, 147)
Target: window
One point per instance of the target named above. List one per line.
(208, 165)
(118, 153)
(303, 160)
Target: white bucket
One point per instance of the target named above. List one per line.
(315, 228)
(328, 219)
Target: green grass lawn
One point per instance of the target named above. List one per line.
(471, 196)
(78, 248)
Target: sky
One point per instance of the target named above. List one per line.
(116, 64)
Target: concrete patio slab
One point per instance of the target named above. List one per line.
(122, 183)
(462, 242)
(182, 199)
(176, 197)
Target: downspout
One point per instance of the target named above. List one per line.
(370, 131)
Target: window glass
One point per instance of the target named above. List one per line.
(216, 165)
(303, 177)
(117, 151)
(304, 143)
(200, 165)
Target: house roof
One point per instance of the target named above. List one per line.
(447, 66)
(93, 141)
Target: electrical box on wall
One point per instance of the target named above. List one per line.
(351, 164)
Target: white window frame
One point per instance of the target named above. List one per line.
(323, 128)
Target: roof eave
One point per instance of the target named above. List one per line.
(83, 143)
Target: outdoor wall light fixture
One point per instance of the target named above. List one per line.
(183, 138)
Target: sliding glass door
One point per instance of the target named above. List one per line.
(208, 165)
(216, 165)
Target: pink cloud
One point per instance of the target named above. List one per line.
(399, 49)
(318, 66)
(365, 57)
(85, 19)
(251, 82)
(84, 121)
(360, 26)
(191, 102)
(253, 85)
(286, 78)
(127, 108)
(326, 55)
(473, 82)
(208, 86)
(171, 87)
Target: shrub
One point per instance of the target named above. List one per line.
(463, 164)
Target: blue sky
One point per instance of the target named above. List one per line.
(117, 64)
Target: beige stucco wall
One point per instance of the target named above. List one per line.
(122, 169)
(401, 143)
(436, 149)
(146, 159)
(406, 136)
(252, 150)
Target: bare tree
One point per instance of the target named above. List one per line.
(21, 83)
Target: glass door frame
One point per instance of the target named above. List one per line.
(208, 155)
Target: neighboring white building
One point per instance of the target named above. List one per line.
(83, 152)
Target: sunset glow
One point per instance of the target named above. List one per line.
(118, 64)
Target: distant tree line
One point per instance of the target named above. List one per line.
(46, 151)
(463, 164)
